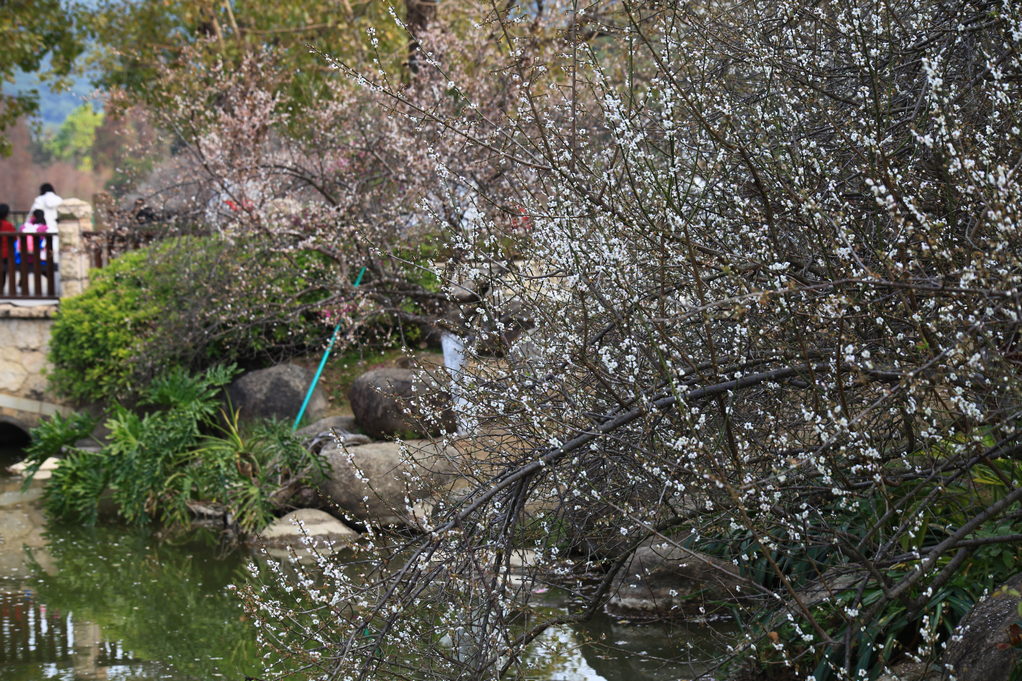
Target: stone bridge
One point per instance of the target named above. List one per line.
(25, 325)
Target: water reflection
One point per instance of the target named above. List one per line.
(116, 604)
(165, 603)
(651, 652)
(607, 649)
(37, 642)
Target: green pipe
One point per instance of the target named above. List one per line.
(322, 362)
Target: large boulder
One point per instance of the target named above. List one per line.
(387, 483)
(663, 580)
(292, 530)
(401, 402)
(276, 393)
(983, 647)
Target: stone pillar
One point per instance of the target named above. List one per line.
(74, 217)
(86, 652)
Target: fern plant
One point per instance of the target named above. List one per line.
(52, 435)
(246, 469)
(172, 452)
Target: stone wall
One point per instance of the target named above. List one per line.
(24, 342)
(23, 347)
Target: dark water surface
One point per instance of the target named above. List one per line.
(117, 604)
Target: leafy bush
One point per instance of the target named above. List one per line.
(160, 461)
(188, 302)
(96, 335)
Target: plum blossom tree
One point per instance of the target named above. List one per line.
(352, 177)
(767, 257)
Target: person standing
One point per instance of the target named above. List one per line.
(34, 246)
(47, 202)
(6, 245)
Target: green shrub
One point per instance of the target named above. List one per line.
(189, 302)
(96, 334)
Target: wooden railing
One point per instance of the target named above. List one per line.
(28, 268)
(104, 246)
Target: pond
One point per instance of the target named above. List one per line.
(117, 604)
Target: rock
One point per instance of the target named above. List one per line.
(345, 423)
(275, 393)
(339, 437)
(401, 402)
(206, 511)
(334, 429)
(522, 560)
(663, 580)
(912, 671)
(387, 483)
(306, 497)
(829, 586)
(44, 472)
(981, 648)
(321, 527)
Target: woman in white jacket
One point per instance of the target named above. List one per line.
(47, 202)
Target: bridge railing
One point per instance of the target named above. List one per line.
(28, 266)
(104, 246)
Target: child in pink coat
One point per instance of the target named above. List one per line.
(36, 224)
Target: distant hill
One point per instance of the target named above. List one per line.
(54, 106)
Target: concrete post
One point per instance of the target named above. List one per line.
(74, 217)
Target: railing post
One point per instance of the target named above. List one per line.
(37, 267)
(23, 265)
(51, 267)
